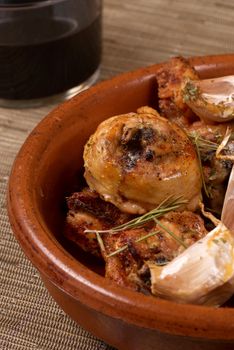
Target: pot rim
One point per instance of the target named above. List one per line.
(68, 274)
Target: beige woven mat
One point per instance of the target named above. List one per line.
(136, 33)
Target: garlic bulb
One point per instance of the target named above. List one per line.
(202, 274)
(211, 99)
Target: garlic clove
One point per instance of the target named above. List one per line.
(228, 205)
(203, 274)
(211, 99)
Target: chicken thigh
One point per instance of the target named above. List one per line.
(137, 160)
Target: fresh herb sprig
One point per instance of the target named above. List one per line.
(169, 204)
(203, 144)
(176, 238)
(143, 238)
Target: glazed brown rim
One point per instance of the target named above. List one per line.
(51, 259)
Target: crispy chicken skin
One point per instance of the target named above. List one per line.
(137, 160)
(128, 268)
(170, 80)
(87, 211)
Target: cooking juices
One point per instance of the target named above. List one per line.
(49, 49)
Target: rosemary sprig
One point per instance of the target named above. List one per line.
(203, 144)
(100, 242)
(136, 241)
(170, 233)
(169, 204)
(207, 145)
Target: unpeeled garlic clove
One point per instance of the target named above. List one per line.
(211, 99)
(203, 274)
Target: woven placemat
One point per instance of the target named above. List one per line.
(136, 33)
(29, 318)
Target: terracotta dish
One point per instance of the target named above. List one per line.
(46, 170)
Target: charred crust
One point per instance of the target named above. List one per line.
(133, 251)
(133, 143)
(147, 135)
(155, 250)
(160, 260)
(91, 203)
(149, 155)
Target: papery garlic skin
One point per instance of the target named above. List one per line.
(203, 274)
(211, 99)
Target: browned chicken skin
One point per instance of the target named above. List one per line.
(88, 211)
(137, 160)
(128, 268)
(170, 80)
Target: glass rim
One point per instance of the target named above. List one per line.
(29, 5)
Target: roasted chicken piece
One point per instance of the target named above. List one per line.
(87, 211)
(170, 80)
(137, 160)
(128, 268)
(216, 171)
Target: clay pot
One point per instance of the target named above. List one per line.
(46, 170)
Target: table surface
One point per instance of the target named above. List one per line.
(135, 33)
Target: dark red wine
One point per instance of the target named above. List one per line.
(49, 56)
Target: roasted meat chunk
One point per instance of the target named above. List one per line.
(128, 268)
(136, 160)
(216, 171)
(87, 211)
(170, 80)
